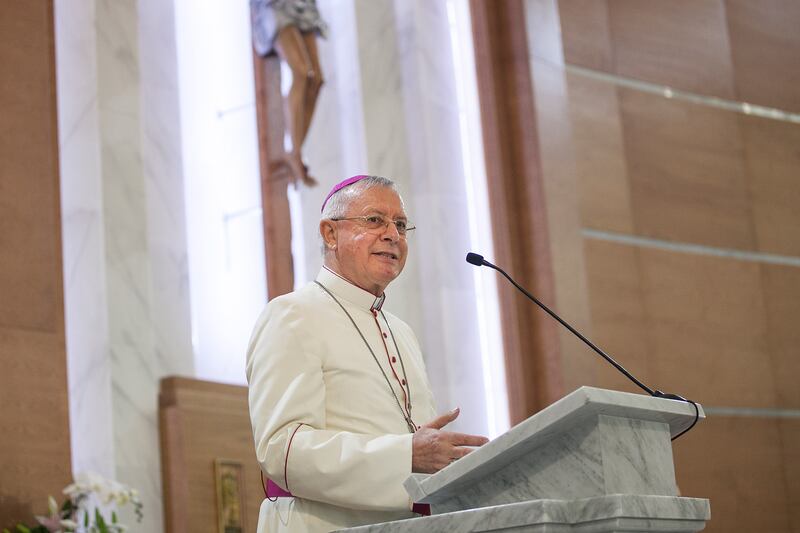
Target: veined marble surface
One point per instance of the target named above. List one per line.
(162, 171)
(436, 188)
(88, 364)
(386, 133)
(618, 512)
(126, 294)
(389, 106)
(572, 411)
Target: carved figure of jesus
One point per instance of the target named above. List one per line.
(290, 28)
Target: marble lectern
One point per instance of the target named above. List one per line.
(596, 461)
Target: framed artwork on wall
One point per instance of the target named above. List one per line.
(229, 480)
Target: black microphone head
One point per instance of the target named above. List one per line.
(475, 259)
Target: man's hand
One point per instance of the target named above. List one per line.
(434, 449)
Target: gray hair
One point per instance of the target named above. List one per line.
(337, 205)
(339, 202)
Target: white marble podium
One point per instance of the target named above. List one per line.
(596, 461)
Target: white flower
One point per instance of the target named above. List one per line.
(52, 505)
(91, 492)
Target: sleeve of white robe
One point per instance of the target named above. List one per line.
(287, 403)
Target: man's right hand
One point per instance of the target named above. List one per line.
(434, 449)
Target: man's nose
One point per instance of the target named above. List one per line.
(390, 232)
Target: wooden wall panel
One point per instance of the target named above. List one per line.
(29, 209)
(710, 47)
(707, 328)
(199, 422)
(765, 46)
(781, 286)
(722, 332)
(719, 330)
(604, 186)
(587, 39)
(772, 151)
(35, 447)
(789, 434)
(680, 43)
(687, 172)
(619, 321)
(748, 467)
(703, 321)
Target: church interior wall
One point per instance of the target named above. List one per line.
(132, 116)
(126, 289)
(668, 144)
(670, 164)
(34, 448)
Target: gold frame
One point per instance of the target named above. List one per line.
(229, 482)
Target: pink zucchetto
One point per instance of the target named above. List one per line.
(341, 185)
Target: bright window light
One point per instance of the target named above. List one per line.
(492, 358)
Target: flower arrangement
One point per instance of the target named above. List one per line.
(90, 507)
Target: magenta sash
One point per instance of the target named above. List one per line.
(273, 490)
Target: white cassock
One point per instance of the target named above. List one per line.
(329, 418)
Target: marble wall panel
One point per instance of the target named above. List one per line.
(162, 171)
(773, 161)
(134, 370)
(142, 200)
(389, 107)
(89, 368)
(687, 172)
(386, 130)
(683, 44)
(743, 465)
(436, 193)
(766, 63)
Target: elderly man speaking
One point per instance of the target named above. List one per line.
(341, 409)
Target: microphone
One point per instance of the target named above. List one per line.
(475, 259)
(478, 260)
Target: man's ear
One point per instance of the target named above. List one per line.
(329, 234)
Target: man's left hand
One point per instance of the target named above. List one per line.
(434, 449)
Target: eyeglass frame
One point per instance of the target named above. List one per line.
(386, 222)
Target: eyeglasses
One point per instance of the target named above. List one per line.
(380, 222)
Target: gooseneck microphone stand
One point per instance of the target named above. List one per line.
(478, 260)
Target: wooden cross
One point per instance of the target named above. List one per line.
(275, 176)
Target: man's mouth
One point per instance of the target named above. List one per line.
(389, 255)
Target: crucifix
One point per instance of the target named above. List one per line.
(283, 30)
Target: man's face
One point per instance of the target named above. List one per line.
(370, 258)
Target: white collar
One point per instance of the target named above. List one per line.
(344, 288)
